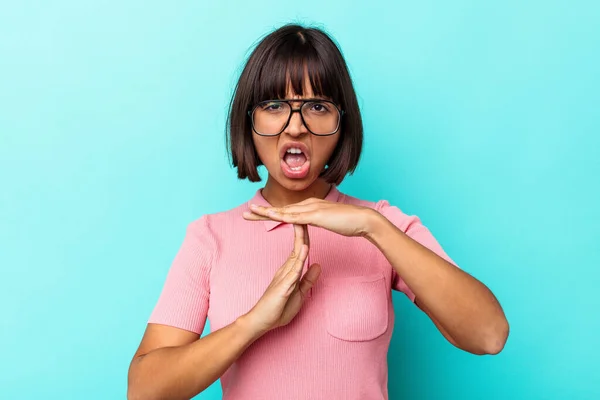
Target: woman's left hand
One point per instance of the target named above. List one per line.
(344, 219)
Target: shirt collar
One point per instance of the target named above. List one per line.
(258, 198)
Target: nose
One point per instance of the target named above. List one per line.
(296, 127)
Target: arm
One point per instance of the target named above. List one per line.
(171, 363)
(464, 309)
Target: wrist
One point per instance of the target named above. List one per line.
(248, 328)
(376, 226)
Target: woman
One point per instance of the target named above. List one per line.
(297, 282)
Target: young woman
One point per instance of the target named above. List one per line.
(297, 282)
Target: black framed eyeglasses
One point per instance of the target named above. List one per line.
(320, 117)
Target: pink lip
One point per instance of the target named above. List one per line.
(300, 174)
(303, 172)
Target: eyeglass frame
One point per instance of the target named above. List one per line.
(298, 110)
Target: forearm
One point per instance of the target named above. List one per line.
(465, 308)
(183, 372)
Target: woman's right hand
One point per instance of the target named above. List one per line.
(285, 295)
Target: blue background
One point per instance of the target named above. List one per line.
(480, 117)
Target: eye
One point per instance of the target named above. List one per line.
(272, 106)
(319, 108)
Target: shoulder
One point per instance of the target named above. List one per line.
(379, 205)
(199, 236)
(215, 224)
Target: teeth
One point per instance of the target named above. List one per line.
(294, 150)
(296, 168)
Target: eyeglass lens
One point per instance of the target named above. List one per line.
(320, 117)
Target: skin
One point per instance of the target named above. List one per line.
(280, 190)
(172, 363)
(175, 364)
(463, 309)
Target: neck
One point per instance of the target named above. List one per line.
(279, 196)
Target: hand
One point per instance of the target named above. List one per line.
(344, 219)
(284, 297)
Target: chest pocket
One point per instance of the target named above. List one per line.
(356, 308)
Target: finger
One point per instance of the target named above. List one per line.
(250, 216)
(302, 215)
(297, 247)
(300, 219)
(310, 200)
(298, 240)
(295, 271)
(306, 237)
(309, 279)
(258, 209)
(293, 208)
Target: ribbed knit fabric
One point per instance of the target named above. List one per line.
(336, 347)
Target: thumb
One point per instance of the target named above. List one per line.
(309, 279)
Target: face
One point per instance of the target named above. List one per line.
(296, 157)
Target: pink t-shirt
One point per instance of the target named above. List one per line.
(336, 347)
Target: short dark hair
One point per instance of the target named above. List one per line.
(280, 59)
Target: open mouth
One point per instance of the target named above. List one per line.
(294, 158)
(295, 162)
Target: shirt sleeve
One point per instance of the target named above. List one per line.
(411, 225)
(184, 300)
